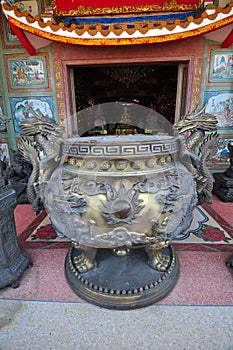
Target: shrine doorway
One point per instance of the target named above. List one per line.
(159, 86)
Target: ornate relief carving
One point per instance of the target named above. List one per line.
(83, 10)
(80, 149)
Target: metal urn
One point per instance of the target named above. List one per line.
(122, 198)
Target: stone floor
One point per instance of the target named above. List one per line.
(43, 325)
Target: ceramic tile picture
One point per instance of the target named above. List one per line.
(221, 66)
(4, 152)
(10, 38)
(221, 157)
(3, 127)
(28, 73)
(220, 104)
(27, 107)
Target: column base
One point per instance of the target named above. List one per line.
(16, 265)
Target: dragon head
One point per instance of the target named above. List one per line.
(196, 120)
(41, 125)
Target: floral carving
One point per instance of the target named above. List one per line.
(122, 206)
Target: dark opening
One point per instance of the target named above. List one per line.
(152, 86)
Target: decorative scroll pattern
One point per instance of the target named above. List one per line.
(161, 147)
(87, 10)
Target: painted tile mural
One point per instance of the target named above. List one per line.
(2, 126)
(220, 104)
(4, 152)
(9, 37)
(221, 158)
(221, 66)
(25, 107)
(28, 73)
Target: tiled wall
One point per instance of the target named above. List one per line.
(25, 82)
(42, 81)
(217, 94)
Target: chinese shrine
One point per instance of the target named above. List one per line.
(60, 57)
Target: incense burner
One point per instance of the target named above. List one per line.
(121, 200)
(127, 194)
(119, 191)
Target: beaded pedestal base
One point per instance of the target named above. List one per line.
(122, 282)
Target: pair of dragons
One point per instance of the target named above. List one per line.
(45, 151)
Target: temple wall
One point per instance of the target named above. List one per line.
(217, 94)
(50, 90)
(191, 51)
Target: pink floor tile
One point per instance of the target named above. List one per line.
(45, 280)
(24, 215)
(204, 279)
(224, 209)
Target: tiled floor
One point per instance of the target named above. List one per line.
(204, 279)
(224, 209)
(44, 313)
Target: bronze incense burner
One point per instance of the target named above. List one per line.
(121, 200)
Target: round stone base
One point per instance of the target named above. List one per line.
(122, 282)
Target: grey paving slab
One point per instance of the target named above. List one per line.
(28, 325)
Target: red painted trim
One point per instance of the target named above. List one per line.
(23, 39)
(119, 41)
(228, 41)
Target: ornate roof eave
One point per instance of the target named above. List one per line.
(210, 20)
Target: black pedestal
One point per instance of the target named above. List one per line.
(223, 187)
(122, 282)
(13, 259)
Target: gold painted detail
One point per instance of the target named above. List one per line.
(81, 10)
(118, 164)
